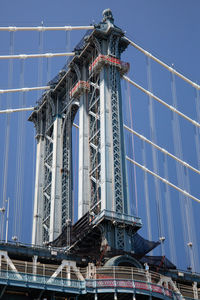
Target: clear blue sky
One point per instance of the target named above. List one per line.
(168, 29)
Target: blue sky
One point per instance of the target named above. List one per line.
(168, 29)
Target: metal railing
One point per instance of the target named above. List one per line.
(102, 277)
(44, 280)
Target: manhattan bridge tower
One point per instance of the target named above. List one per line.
(90, 83)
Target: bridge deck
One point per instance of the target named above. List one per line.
(111, 280)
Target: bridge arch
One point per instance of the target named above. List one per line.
(123, 260)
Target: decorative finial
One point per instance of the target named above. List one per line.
(107, 15)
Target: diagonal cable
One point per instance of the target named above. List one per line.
(45, 28)
(172, 70)
(185, 193)
(25, 89)
(172, 108)
(185, 164)
(25, 56)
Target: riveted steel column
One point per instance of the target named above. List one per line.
(84, 186)
(38, 198)
(107, 191)
(56, 205)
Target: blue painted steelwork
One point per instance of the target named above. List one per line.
(119, 217)
(77, 287)
(26, 252)
(41, 282)
(103, 196)
(103, 189)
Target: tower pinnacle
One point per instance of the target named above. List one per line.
(107, 15)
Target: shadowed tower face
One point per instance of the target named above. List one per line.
(90, 83)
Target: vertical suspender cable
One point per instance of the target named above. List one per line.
(154, 156)
(19, 161)
(133, 149)
(170, 222)
(130, 177)
(178, 152)
(146, 190)
(40, 80)
(197, 142)
(7, 131)
(48, 69)
(21, 153)
(68, 41)
(183, 181)
(40, 60)
(192, 248)
(197, 129)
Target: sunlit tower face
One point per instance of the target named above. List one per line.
(89, 82)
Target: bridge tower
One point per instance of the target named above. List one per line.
(90, 83)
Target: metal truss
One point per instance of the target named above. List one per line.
(90, 81)
(48, 160)
(53, 120)
(66, 170)
(117, 143)
(94, 144)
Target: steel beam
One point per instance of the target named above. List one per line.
(38, 203)
(56, 190)
(107, 172)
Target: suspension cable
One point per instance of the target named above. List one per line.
(185, 193)
(48, 68)
(197, 143)
(25, 89)
(185, 164)
(146, 193)
(172, 108)
(183, 180)
(12, 110)
(43, 28)
(17, 224)
(153, 135)
(197, 130)
(24, 56)
(7, 131)
(133, 146)
(75, 125)
(172, 70)
(40, 60)
(169, 214)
